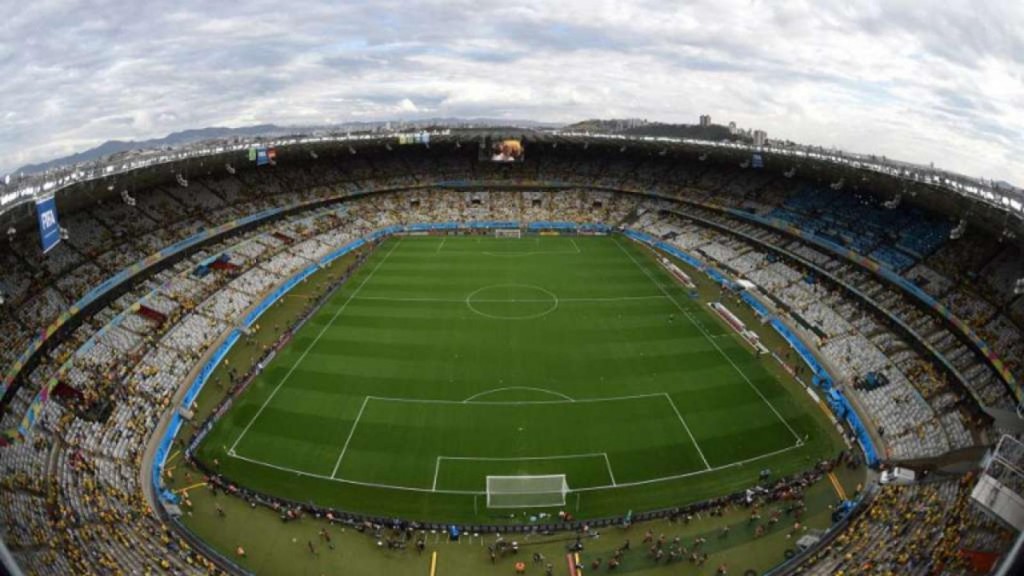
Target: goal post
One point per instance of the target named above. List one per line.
(508, 233)
(526, 491)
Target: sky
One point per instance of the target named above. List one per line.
(924, 81)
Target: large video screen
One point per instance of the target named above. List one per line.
(506, 150)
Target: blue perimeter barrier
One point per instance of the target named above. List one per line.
(164, 449)
(835, 399)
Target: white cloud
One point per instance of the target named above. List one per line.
(407, 105)
(921, 81)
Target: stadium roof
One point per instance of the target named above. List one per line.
(1002, 197)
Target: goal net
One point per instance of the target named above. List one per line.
(526, 491)
(507, 233)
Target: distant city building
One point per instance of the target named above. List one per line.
(732, 128)
(760, 137)
(627, 123)
(705, 120)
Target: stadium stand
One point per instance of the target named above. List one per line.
(71, 498)
(931, 528)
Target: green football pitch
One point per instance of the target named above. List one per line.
(445, 360)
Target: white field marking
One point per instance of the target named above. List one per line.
(311, 344)
(513, 300)
(695, 473)
(518, 458)
(352, 482)
(517, 402)
(484, 493)
(687, 428)
(711, 340)
(604, 455)
(544, 390)
(536, 242)
(511, 253)
(350, 433)
(552, 298)
(531, 253)
(611, 474)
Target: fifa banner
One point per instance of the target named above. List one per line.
(49, 228)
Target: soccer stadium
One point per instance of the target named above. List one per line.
(478, 347)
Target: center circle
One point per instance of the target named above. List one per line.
(512, 301)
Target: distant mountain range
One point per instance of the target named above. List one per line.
(171, 140)
(185, 137)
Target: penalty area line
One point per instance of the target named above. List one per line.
(687, 428)
(310, 347)
(714, 343)
(608, 463)
(351, 432)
